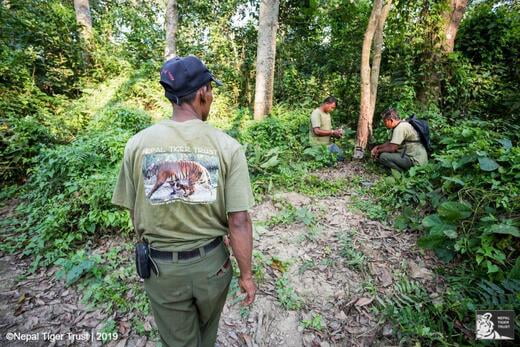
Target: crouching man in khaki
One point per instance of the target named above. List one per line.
(404, 149)
(187, 186)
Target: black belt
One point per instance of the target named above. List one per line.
(184, 255)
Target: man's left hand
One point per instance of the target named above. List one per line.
(375, 152)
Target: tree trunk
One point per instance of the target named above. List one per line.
(170, 23)
(453, 19)
(365, 119)
(83, 18)
(376, 59)
(265, 57)
(82, 9)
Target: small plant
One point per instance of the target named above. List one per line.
(307, 265)
(314, 323)
(286, 294)
(285, 217)
(352, 257)
(370, 208)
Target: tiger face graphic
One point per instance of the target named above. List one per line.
(485, 328)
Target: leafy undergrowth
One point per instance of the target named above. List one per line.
(465, 204)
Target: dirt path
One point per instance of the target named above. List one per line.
(320, 269)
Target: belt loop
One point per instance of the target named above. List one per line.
(202, 252)
(175, 257)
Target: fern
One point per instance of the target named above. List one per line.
(505, 295)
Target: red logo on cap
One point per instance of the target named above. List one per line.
(169, 74)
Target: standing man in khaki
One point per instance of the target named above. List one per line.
(404, 149)
(187, 186)
(320, 131)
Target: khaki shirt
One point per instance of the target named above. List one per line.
(408, 140)
(322, 120)
(181, 179)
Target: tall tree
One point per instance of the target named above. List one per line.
(373, 39)
(84, 20)
(265, 57)
(171, 22)
(453, 17)
(440, 33)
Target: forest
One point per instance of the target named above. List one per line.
(345, 253)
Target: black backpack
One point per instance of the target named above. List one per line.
(422, 128)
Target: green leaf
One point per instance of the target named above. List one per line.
(454, 211)
(396, 174)
(77, 271)
(432, 220)
(444, 254)
(491, 267)
(273, 161)
(431, 241)
(487, 164)
(506, 143)
(463, 161)
(504, 228)
(451, 233)
(454, 180)
(515, 271)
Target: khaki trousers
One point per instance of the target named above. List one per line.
(187, 297)
(395, 161)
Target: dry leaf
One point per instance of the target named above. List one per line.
(385, 277)
(419, 272)
(124, 327)
(363, 301)
(147, 326)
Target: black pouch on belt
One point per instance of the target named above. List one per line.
(142, 259)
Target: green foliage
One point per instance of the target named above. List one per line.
(445, 318)
(68, 195)
(314, 323)
(353, 257)
(489, 77)
(464, 202)
(471, 185)
(286, 295)
(39, 44)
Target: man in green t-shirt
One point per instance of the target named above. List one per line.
(404, 149)
(320, 130)
(187, 186)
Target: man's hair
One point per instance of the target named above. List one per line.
(390, 114)
(331, 100)
(188, 99)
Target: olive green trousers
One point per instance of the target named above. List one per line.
(395, 161)
(187, 297)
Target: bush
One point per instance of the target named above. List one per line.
(67, 198)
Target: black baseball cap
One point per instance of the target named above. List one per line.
(181, 76)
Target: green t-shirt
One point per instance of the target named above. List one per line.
(407, 138)
(319, 119)
(181, 179)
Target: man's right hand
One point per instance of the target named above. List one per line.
(337, 133)
(248, 286)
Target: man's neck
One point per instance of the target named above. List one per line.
(185, 113)
(395, 126)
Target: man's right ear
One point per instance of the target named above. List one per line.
(202, 95)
